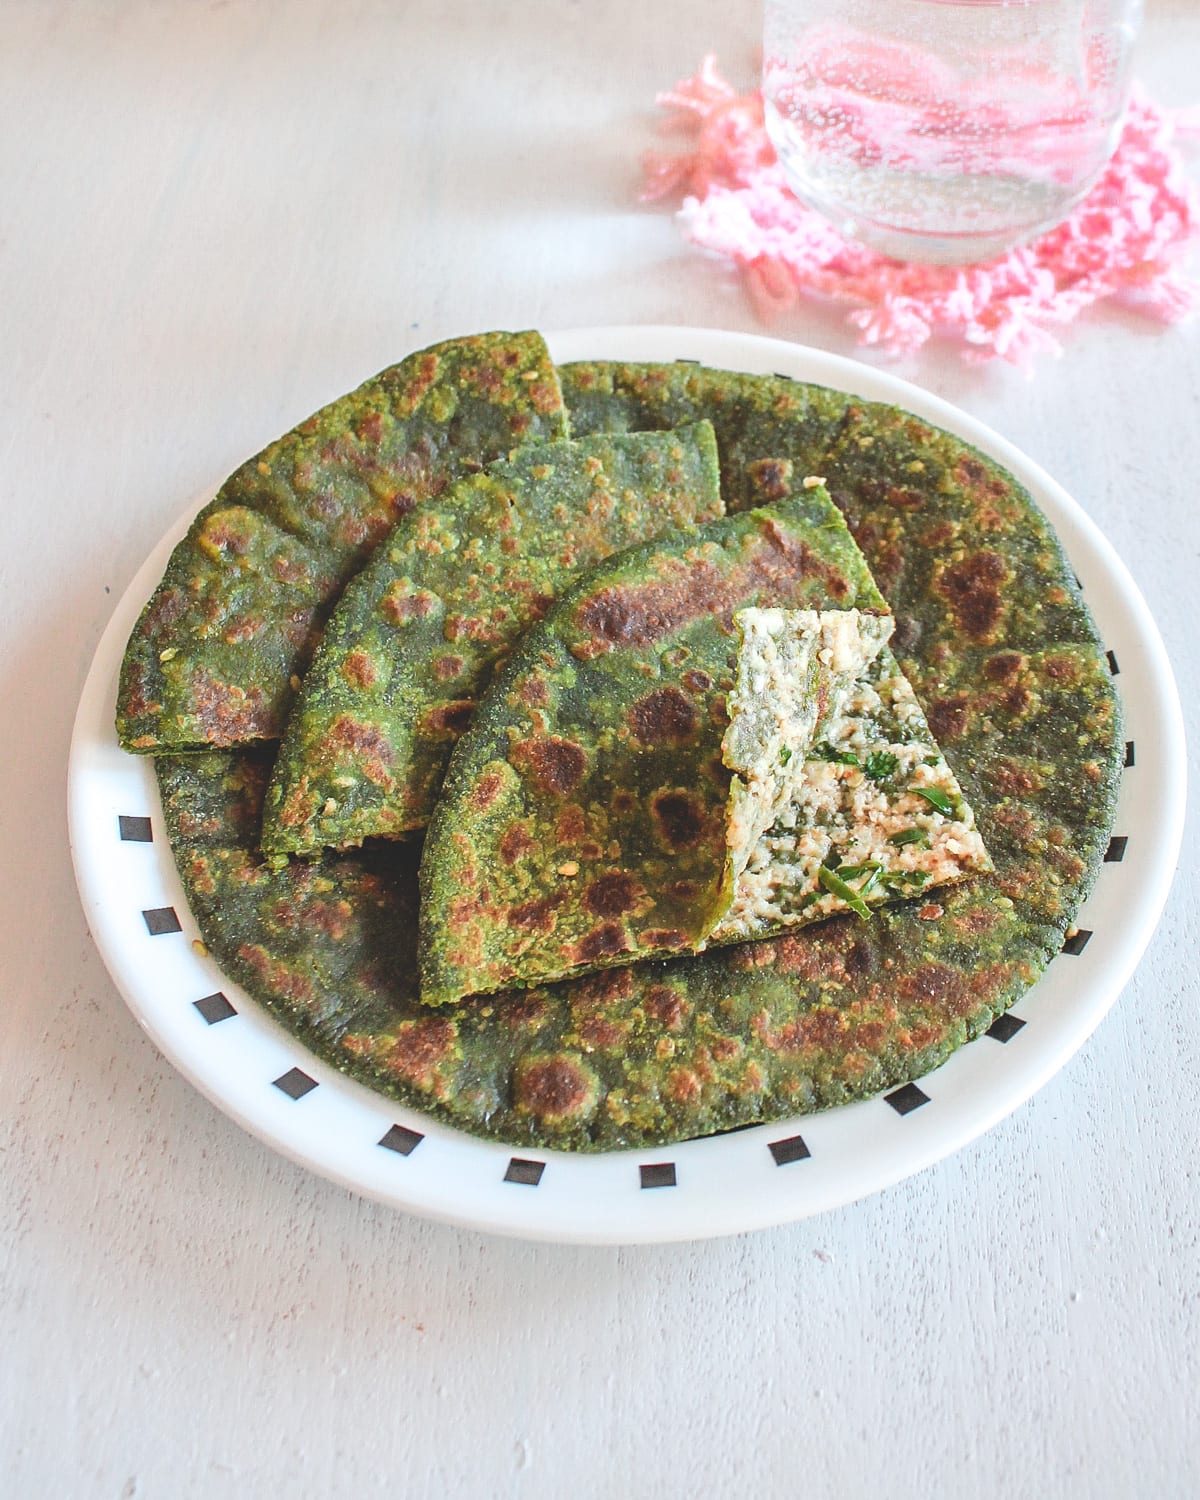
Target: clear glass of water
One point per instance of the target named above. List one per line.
(945, 131)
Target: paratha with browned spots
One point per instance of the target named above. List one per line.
(649, 1054)
(661, 1051)
(216, 655)
(582, 819)
(990, 624)
(417, 634)
(772, 432)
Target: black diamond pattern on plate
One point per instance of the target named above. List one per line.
(160, 920)
(1112, 663)
(1077, 942)
(1005, 1027)
(1129, 757)
(401, 1139)
(523, 1170)
(215, 1008)
(905, 1100)
(787, 1151)
(135, 830)
(658, 1174)
(295, 1083)
(1115, 852)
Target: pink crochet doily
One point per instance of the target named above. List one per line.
(1124, 241)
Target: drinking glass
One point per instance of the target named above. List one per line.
(945, 130)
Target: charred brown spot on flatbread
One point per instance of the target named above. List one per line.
(679, 818)
(1004, 667)
(603, 942)
(601, 1033)
(770, 478)
(637, 616)
(553, 764)
(974, 589)
(571, 824)
(537, 915)
(666, 716)
(949, 717)
(486, 790)
(400, 603)
(364, 745)
(276, 976)
(1064, 670)
(662, 937)
(227, 713)
(557, 1088)
(359, 670)
(516, 843)
(939, 986)
(448, 720)
(612, 895)
(535, 692)
(666, 1005)
(605, 987)
(446, 668)
(420, 1048)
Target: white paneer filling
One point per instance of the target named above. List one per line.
(794, 669)
(845, 823)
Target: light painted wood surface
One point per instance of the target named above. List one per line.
(214, 218)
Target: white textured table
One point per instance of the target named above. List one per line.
(215, 217)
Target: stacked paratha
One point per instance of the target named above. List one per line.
(585, 818)
(417, 634)
(995, 639)
(218, 652)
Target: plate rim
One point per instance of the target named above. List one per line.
(607, 1209)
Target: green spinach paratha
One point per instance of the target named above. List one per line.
(992, 632)
(216, 656)
(991, 629)
(417, 634)
(582, 820)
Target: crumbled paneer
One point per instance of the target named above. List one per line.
(794, 668)
(840, 798)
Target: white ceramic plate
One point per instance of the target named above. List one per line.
(259, 1075)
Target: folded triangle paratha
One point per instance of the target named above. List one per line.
(216, 654)
(417, 634)
(582, 820)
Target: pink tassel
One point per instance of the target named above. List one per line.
(1124, 241)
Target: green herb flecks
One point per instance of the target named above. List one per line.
(838, 887)
(936, 798)
(826, 751)
(906, 877)
(910, 836)
(881, 764)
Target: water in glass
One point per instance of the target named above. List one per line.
(945, 130)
